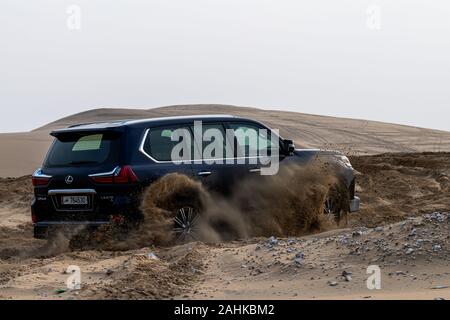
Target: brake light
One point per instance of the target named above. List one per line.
(126, 175)
(39, 178)
(120, 175)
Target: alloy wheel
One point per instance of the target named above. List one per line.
(186, 224)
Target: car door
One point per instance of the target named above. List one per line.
(218, 172)
(254, 142)
(156, 149)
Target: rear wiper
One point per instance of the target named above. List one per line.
(82, 162)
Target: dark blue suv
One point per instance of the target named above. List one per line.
(95, 173)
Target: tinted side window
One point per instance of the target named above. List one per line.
(159, 144)
(208, 151)
(252, 139)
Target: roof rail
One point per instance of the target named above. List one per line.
(134, 121)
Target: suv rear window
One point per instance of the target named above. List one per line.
(83, 149)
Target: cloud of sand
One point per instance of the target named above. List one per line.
(287, 204)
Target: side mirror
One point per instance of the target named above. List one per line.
(289, 146)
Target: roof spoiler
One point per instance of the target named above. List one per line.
(75, 130)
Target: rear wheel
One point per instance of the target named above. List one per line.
(172, 208)
(186, 224)
(40, 232)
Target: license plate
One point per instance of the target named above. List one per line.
(75, 200)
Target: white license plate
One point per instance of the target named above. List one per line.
(75, 200)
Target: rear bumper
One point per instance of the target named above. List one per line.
(47, 210)
(354, 204)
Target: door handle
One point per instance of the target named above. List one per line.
(255, 170)
(204, 173)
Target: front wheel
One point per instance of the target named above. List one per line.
(331, 206)
(335, 204)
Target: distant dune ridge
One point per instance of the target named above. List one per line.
(21, 153)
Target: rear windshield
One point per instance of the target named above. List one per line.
(83, 149)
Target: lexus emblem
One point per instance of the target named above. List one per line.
(69, 179)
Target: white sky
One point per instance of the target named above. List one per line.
(316, 56)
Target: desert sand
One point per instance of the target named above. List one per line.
(403, 228)
(22, 153)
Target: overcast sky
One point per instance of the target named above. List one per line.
(379, 60)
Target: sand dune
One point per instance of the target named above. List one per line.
(23, 152)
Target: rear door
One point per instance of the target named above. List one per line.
(156, 153)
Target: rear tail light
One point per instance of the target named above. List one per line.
(34, 218)
(39, 178)
(120, 175)
(126, 175)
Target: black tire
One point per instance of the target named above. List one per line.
(170, 205)
(336, 203)
(40, 232)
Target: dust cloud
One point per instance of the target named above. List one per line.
(287, 204)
